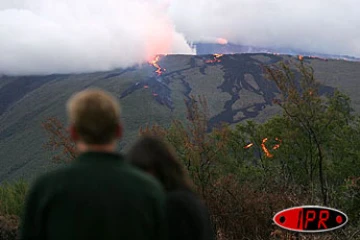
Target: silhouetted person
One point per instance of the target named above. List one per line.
(187, 216)
(98, 196)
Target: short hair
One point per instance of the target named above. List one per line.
(95, 114)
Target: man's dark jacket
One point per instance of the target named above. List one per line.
(98, 196)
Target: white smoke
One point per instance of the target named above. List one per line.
(323, 26)
(61, 36)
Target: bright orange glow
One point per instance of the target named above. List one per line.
(154, 62)
(277, 145)
(301, 57)
(249, 145)
(159, 36)
(264, 148)
(266, 151)
(216, 58)
(222, 41)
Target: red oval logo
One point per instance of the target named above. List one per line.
(311, 219)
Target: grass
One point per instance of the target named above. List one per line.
(247, 99)
(342, 75)
(206, 85)
(262, 58)
(22, 138)
(12, 197)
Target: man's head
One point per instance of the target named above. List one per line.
(94, 117)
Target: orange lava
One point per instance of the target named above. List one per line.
(216, 58)
(264, 148)
(154, 63)
(249, 145)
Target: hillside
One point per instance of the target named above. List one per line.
(233, 85)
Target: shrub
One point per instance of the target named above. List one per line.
(317, 148)
(12, 197)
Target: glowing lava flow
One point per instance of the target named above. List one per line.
(264, 148)
(277, 145)
(154, 62)
(300, 57)
(266, 151)
(222, 41)
(216, 58)
(249, 145)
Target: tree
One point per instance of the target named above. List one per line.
(59, 141)
(192, 142)
(254, 169)
(223, 171)
(313, 121)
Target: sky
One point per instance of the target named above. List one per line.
(74, 36)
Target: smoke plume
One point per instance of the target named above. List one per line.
(61, 36)
(323, 26)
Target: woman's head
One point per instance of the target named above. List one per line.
(157, 158)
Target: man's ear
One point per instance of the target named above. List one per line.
(73, 133)
(119, 131)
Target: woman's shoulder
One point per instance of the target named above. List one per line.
(185, 204)
(179, 194)
(185, 198)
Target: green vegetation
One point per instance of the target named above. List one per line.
(22, 138)
(12, 197)
(309, 154)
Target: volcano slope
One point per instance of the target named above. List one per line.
(233, 85)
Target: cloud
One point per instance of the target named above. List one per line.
(60, 36)
(53, 36)
(325, 26)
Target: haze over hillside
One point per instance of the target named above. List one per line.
(151, 93)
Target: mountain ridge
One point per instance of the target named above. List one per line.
(231, 48)
(234, 86)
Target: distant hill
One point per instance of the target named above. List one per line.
(233, 85)
(230, 48)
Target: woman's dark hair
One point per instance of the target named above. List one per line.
(154, 155)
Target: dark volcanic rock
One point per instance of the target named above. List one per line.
(160, 91)
(235, 69)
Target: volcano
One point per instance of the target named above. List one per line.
(155, 83)
(154, 92)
